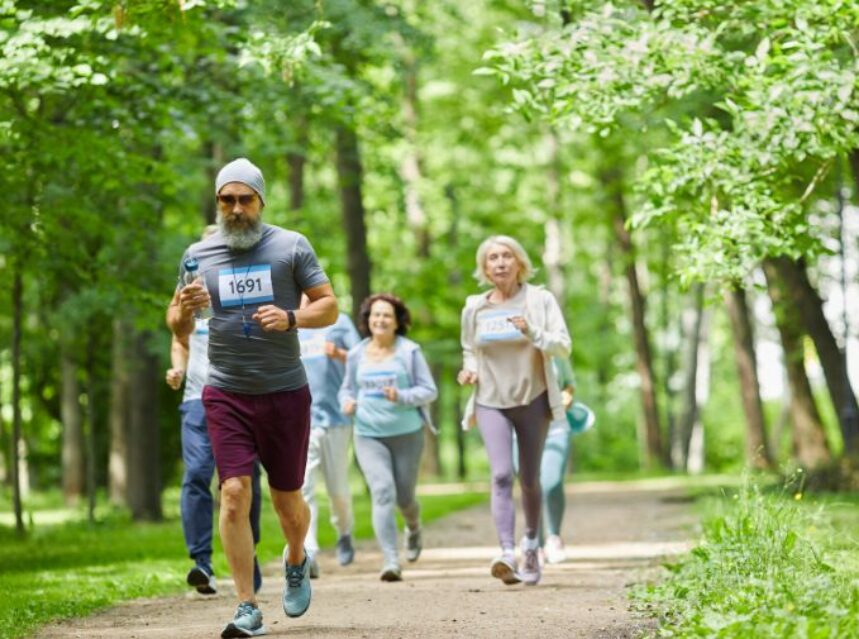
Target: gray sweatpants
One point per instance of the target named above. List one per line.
(496, 426)
(390, 466)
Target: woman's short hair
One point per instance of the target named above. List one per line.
(526, 269)
(404, 318)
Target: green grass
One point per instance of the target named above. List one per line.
(73, 568)
(772, 564)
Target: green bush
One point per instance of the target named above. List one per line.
(764, 569)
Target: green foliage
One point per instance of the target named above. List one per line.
(767, 567)
(752, 95)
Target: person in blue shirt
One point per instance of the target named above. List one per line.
(323, 353)
(387, 388)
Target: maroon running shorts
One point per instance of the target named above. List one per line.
(274, 427)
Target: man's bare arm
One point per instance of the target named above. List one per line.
(322, 309)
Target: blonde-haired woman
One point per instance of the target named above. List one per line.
(509, 336)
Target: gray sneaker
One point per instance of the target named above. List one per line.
(530, 573)
(345, 551)
(313, 568)
(296, 590)
(247, 622)
(414, 544)
(504, 568)
(391, 572)
(203, 579)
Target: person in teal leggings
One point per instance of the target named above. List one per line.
(553, 467)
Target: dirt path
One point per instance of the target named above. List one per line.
(618, 532)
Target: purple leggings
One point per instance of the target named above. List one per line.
(496, 426)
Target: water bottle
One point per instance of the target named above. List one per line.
(191, 274)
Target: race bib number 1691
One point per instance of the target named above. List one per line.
(245, 285)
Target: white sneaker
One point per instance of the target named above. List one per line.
(504, 568)
(554, 550)
(529, 572)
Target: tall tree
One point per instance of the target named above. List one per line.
(694, 322)
(757, 447)
(143, 452)
(613, 184)
(120, 395)
(74, 479)
(809, 439)
(810, 307)
(350, 173)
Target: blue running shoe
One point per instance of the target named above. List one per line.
(296, 592)
(414, 544)
(247, 622)
(203, 579)
(257, 576)
(345, 551)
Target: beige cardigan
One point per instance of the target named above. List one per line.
(546, 329)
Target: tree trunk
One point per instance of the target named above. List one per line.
(552, 249)
(350, 177)
(410, 168)
(296, 158)
(757, 450)
(604, 278)
(695, 445)
(410, 172)
(213, 156)
(809, 439)
(17, 326)
(118, 418)
(73, 437)
(810, 307)
(693, 320)
(676, 433)
(90, 431)
(144, 474)
(612, 181)
(455, 279)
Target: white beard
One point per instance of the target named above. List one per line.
(240, 239)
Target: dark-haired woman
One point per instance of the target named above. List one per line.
(387, 388)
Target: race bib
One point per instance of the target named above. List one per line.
(245, 285)
(312, 347)
(494, 326)
(372, 383)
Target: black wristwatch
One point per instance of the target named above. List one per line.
(290, 318)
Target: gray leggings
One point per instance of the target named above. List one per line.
(496, 426)
(390, 466)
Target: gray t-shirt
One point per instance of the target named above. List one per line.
(242, 357)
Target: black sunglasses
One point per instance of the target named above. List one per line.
(230, 200)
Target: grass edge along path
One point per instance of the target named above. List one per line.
(771, 564)
(73, 569)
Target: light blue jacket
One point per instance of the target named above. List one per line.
(422, 389)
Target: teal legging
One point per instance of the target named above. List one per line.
(553, 467)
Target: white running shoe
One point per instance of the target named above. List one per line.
(504, 567)
(554, 550)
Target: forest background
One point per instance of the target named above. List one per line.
(684, 176)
